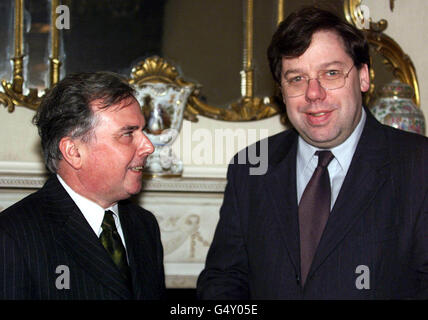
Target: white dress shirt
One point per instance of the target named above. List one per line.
(93, 212)
(307, 161)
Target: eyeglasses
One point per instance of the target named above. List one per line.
(296, 85)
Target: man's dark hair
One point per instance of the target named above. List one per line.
(66, 110)
(294, 35)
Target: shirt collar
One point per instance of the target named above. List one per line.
(92, 212)
(343, 153)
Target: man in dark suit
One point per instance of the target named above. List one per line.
(79, 237)
(342, 211)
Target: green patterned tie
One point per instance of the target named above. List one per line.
(111, 241)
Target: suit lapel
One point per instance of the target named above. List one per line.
(134, 253)
(138, 250)
(74, 234)
(281, 186)
(366, 175)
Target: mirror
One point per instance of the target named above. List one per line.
(218, 45)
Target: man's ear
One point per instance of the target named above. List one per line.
(364, 75)
(70, 152)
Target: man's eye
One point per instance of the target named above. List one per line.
(128, 134)
(332, 73)
(295, 79)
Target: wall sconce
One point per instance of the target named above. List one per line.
(14, 94)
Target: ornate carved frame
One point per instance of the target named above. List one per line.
(394, 57)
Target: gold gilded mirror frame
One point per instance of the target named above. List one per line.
(394, 57)
(13, 94)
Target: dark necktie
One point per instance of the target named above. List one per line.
(314, 209)
(112, 242)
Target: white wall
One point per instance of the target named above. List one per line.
(18, 136)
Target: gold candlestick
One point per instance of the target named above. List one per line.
(54, 62)
(248, 73)
(280, 11)
(18, 59)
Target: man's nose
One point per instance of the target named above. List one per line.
(315, 91)
(146, 147)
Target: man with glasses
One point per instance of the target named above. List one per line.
(342, 212)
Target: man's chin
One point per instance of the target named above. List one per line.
(324, 142)
(134, 191)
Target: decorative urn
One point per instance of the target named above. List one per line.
(163, 108)
(395, 107)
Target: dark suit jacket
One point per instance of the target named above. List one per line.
(46, 230)
(379, 221)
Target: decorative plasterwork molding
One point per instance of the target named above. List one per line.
(21, 182)
(25, 175)
(185, 185)
(182, 275)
